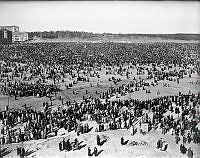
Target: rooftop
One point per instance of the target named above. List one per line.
(18, 33)
(10, 26)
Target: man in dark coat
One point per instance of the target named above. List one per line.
(68, 145)
(190, 153)
(22, 153)
(60, 146)
(98, 140)
(177, 138)
(95, 151)
(159, 142)
(183, 149)
(122, 140)
(89, 152)
(18, 150)
(64, 144)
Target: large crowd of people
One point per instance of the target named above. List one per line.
(28, 68)
(110, 116)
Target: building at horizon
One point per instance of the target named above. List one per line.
(5, 36)
(17, 36)
(12, 28)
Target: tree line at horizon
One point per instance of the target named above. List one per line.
(90, 35)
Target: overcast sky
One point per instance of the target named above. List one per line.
(112, 17)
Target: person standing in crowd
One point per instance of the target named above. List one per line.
(95, 151)
(89, 152)
(159, 143)
(122, 140)
(190, 152)
(177, 138)
(60, 146)
(183, 149)
(98, 140)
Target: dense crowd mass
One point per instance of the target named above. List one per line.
(110, 116)
(36, 64)
(90, 54)
(43, 61)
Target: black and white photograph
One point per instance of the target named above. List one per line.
(110, 79)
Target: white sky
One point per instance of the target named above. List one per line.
(112, 17)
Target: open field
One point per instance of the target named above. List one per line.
(103, 84)
(112, 148)
(96, 81)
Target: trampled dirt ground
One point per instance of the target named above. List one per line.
(112, 148)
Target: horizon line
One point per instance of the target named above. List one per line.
(109, 32)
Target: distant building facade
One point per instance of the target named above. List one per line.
(5, 36)
(19, 36)
(10, 28)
